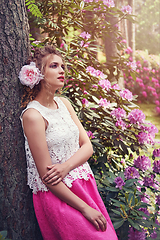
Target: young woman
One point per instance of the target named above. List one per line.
(65, 196)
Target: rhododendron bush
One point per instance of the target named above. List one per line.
(120, 135)
(146, 83)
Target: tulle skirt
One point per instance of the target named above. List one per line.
(59, 221)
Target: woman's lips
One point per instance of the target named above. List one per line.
(61, 78)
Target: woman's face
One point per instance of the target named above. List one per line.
(54, 72)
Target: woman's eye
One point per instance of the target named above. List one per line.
(63, 67)
(53, 66)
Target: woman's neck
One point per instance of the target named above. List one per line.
(46, 98)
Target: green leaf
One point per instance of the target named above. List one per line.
(118, 224)
(116, 212)
(134, 224)
(3, 234)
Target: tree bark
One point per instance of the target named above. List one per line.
(16, 208)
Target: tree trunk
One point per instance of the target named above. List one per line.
(16, 208)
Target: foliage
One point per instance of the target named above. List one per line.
(3, 235)
(147, 82)
(33, 8)
(148, 26)
(105, 110)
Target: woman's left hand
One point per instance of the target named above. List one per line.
(55, 174)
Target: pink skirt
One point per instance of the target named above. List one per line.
(59, 221)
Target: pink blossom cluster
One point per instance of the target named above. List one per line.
(118, 113)
(148, 181)
(148, 134)
(130, 173)
(116, 87)
(154, 235)
(105, 84)
(147, 85)
(142, 162)
(128, 50)
(156, 166)
(85, 35)
(85, 102)
(156, 152)
(104, 103)
(83, 44)
(94, 72)
(109, 3)
(119, 182)
(126, 94)
(143, 138)
(120, 124)
(135, 234)
(136, 116)
(127, 9)
(132, 65)
(90, 135)
(158, 200)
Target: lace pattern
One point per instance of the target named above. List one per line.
(62, 136)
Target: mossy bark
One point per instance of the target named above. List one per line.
(16, 208)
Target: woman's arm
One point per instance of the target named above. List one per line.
(58, 171)
(34, 129)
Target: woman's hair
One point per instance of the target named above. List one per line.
(40, 57)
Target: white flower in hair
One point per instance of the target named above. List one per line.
(30, 75)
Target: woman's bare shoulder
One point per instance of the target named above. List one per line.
(31, 115)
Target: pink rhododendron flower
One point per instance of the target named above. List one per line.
(30, 75)
(136, 235)
(158, 110)
(127, 9)
(142, 137)
(85, 45)
(85, 35)
(128, 50)
(104, 103)
(94, 72)
(142, 162)
(132, 65)
(157, 102)
(90, 134)
(144, 199)
(156, 152)
(144, 94)
(156, 166)
(136, 116)
(94, 86)
(119, 182)
(154, 235)
(105, 84)
(126, 94)
(158, 200)
(130, 173)
(123, 162)
(116, 87)
(149, 181)
(85, 102)
(109, 3)
(118, 113)
(120, 123)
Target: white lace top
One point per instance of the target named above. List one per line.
(62, 136)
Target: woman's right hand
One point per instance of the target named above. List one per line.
(95, 217)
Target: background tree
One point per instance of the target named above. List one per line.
(148, 26)
(16, 210)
